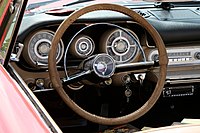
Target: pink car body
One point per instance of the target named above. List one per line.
(17, 113)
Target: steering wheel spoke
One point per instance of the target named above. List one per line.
(76, 77)
(135, 66)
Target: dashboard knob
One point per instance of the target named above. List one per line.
(155, 57)
(197, 55)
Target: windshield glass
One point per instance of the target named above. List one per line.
(170, 0)
(37, 4)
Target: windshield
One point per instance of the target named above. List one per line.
(36, 4)
(170, 0)
(40, 6)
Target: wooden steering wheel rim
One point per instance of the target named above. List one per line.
(54, 75)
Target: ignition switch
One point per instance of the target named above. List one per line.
(128, 91)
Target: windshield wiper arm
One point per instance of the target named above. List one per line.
(77, 2)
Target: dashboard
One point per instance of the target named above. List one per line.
(119, 37)
(112, 66)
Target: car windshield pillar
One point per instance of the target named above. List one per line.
(9, 12)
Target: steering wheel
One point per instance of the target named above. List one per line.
(58, 86)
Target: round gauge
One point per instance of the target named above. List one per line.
(120, 45)
(82, 46)
(37, 47)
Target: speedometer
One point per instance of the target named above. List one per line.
(120, 45)
(37, 47)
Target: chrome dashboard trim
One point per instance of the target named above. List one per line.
(181, 81)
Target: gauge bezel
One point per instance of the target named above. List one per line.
(31, 53)
(75, 47)
(118, 56)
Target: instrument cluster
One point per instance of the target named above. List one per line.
(121, 45)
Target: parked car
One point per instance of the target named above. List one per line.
(125, 66)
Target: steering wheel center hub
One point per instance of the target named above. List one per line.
(104, 65)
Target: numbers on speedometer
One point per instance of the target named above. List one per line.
(37, 47)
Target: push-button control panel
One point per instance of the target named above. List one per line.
(179, 56)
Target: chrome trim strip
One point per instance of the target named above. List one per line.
(179, 81)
